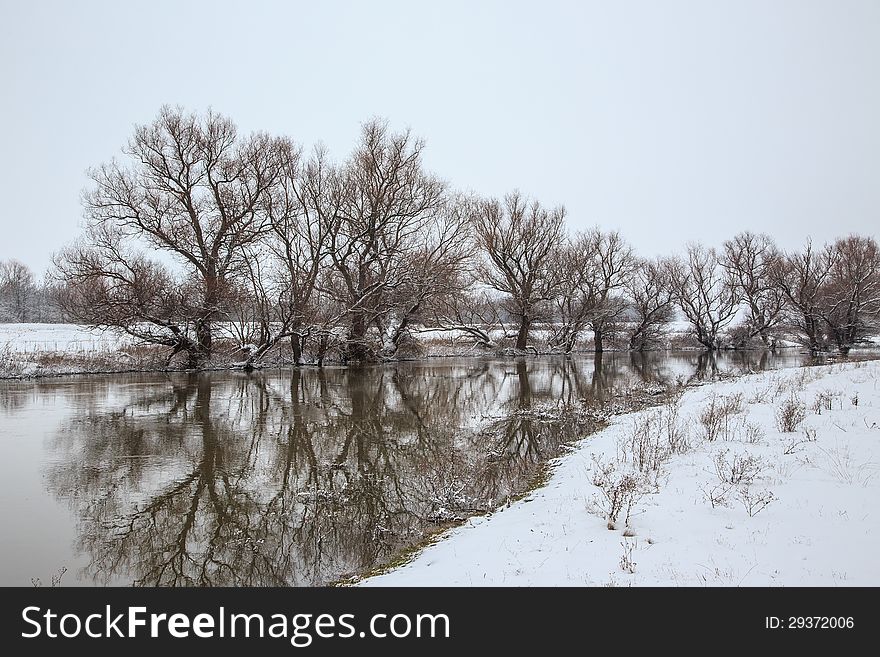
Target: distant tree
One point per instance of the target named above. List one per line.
(18, 291)
(802, 277)
(850, 297)
(750, 261)
(651, 302)
(575, 297)
(704, 292)
(593, 268)
(519, 241)
(193, 189)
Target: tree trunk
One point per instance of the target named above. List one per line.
(193, 358)
(204, 334)
(201, 350)
(598, 382)
(296, 348)
(400, 330)
(598, 340)
(298, 343)
(569, 343)
(709, 339)
(812, 334)
(323, 343)
(637, 342)
(356, 349)
(525, 388)
(522, 337)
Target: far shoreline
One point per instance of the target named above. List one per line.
(866, 353)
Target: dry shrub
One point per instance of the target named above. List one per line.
(760, 395)
(627, 564)
(824, 400)
(620, 491)
(740, 469)
(753, 433)
(841, 463)
(11, 363)
(754, 501)
(734, 474)
(794, 444)
(790, 414)
(716, 416)
(654, 438)
(644, 445)
(675, 432)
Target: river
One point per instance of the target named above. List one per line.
(288, 477)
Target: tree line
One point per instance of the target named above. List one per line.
(201, 232)
(23, 298)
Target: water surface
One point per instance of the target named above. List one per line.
(285, 478)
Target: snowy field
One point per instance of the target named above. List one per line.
(71, 338)
(755, 505)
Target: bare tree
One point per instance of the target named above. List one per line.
(651, 302)
(303, 216)
(593, 268)
(283, 270)
(196, 190)
(18, 291)
(107, 286)
(704, 292)
(519, 240)
(575, 298)
(434, 268)
(802, 277)
(614, 264)
(851, 297)
(750, 261)
(388, 204)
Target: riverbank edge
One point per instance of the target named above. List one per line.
(871, 352)
(546, 477)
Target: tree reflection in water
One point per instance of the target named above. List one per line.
(303, 477)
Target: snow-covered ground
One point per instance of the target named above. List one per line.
(71, 338)
(821, 482)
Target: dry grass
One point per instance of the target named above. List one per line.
(839, 463)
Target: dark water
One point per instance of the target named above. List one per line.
(286, 477)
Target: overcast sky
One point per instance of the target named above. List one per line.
(668, 120)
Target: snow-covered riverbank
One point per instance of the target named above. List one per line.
(771, 479)
(40, 350)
